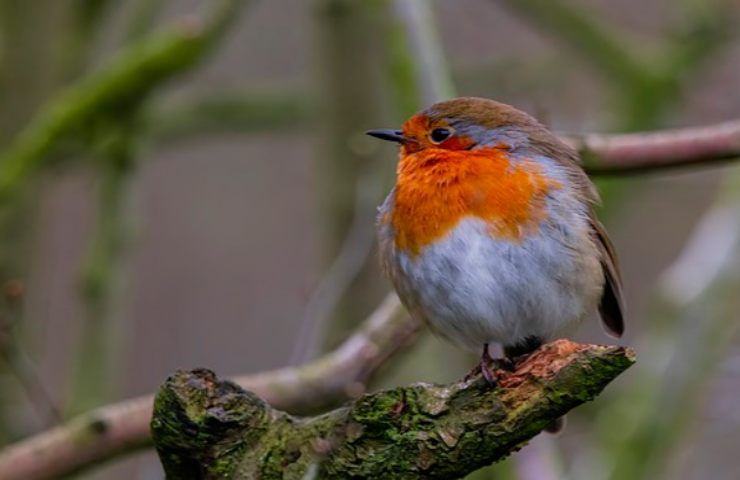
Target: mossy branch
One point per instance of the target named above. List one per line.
(114, 91)
(116, 429)
(206, 428)
(237, 112)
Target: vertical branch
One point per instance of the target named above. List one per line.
(351, 101)
(100, 339)
(433, 78)
(28, 73)
(420, 76)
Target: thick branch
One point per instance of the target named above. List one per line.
(204, 428)
(115, 429)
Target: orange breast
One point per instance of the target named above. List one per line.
(436, 188)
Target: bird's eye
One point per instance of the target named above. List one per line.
(439, 135)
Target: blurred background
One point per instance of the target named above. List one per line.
(217, 209)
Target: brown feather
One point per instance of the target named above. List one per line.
(611, 306)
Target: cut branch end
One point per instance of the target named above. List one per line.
(207, 428)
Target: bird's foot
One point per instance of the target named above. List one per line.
(488, 370)
(474, 372)
(488, 367)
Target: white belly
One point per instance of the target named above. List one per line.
(474, 289)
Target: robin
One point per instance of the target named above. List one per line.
(490, 235)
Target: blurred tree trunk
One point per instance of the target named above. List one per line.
(29, 72)
(352, 99)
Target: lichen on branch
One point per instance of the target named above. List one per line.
(207, 428)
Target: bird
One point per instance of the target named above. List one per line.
(490, 234)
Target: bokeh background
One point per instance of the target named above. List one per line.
(225, 219)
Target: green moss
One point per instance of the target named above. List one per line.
(202, 424)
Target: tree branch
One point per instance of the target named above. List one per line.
(119, 428)
(586, 35)
(205, 428)
(603, 154)
(646, 85)
(230, 112)
(633, 153)
(113, 91)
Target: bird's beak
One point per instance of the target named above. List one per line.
(388, 134)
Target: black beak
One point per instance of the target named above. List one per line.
(388, 134)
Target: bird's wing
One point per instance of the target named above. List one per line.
(611, 307)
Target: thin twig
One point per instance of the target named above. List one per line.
(346, 267)
(432, 74)
(352, 98)
(14, 355)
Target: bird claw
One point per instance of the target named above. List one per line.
(489, 373)
(489, 367)
(474, 372)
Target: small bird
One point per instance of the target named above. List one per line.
(490, 234)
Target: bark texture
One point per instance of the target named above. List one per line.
(206, 428)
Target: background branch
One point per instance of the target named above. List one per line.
(116, 429)
(645, 85)
(116, 89)
(236, 112)
(424, 430)
(604, 154)
(100, 339)
(633, 153)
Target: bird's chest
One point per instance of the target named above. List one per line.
(493, 257)
(431, 199)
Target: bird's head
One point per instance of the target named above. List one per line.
(466, 123)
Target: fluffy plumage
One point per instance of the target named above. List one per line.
(489, 234)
